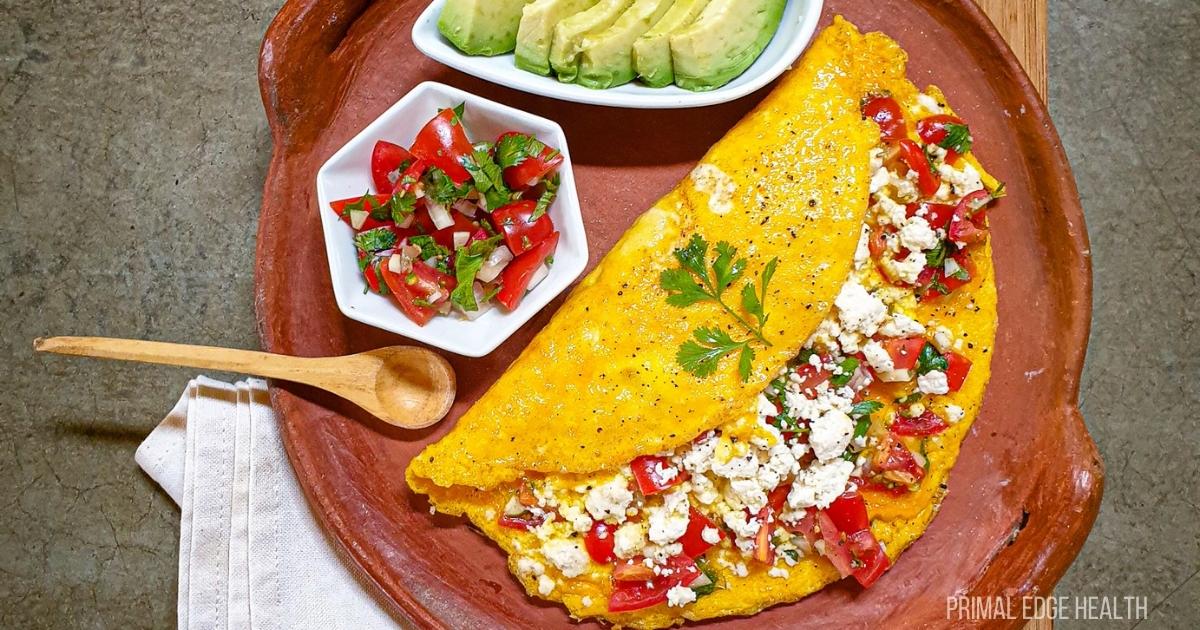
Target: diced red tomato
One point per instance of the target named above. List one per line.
(445, 236)
(837, 551)
(932, 130)
(938, 215)
(886, 113)
(849, 512)
(632, 570)
(764, 552)
(599, 542)
(915, 159)
(924, 425)
(957, 367)
(429, 284)
(387, 162)
(406, 300)
(521, 234)
(904, 352)
(897, 464)
(877, 244)
(931, 276)
(810, 377)
(649, 481)
(967, 224)
(370, 203)
(516, 276)
(370, 274)
(636, 595)
(692, 540)
(870, 561)
(531, 171)
(443, 143)
(806, 526)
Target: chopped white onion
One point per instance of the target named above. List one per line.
(399, 263)
(952, 267)
(460, 239)
(358, 218)
(466, 206)
(408, 221)
(539, 275)
(441, 217)
(860, 379)
(496, 262)
(410, 252)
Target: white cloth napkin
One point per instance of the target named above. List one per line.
(251, 554)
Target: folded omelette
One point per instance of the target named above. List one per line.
(763, 386)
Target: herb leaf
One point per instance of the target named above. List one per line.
(700, 357)
(727, 270)
(513, 149)
(488, 177)
(441, 189)
(745, 362)
(958, 138)
(375, 240)
(467, 264)
(845, 372)
(936, 256)
(865, 408)
(682, 288)
(431, 250)
(402, 206)
(692, 258)
(930, 360)
(546, 198)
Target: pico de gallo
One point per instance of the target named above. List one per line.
(844, 423)
(454, 226)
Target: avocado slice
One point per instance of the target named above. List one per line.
(606, 57)
(482, 27)
(652, 51)
(724, 40)
(569, 34)
(536, 31)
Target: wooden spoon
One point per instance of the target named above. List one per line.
(408, 387)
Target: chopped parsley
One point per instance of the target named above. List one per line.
(430, 249)
(546, 198)
(442, 190)
(488, 178)
(513, 149)
(845, 372)
(375, 240)
(930, 360)
(958, 138)
(467, 263)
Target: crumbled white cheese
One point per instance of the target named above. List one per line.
(917, 235)
(741, 526)
(929, 103)
(954, 413)
(529, 566)
(545, 586)
(740, 570)
(862, 253)
(894, 376)
(778, 572)
(909, 270)
(965, 181)
(585, 601)
(933, 383)
(858, 310)
(712, 181)
(888, 212)
(710, 535)
(943, 339)
(679, 596)
(575, 515)
(699, 458)
(819, 484)
(879, 179)
(609, 499)
(629, 540)
(746, 492)
(878, 357)
(850, 342)
(831, 435)
(566, 555)
(669, 522)
(901, 325)
(704, 490)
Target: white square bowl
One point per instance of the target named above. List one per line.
(348, 174)
(796, 29)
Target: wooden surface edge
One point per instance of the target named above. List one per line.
(1024, 24)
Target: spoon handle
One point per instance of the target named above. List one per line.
(205, 357)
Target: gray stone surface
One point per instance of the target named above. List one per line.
(132, 152)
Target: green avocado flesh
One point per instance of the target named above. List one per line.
(652, 51)
(723, 42)
(569, 34)
(482, 27)
(536, 32)
(606, 58)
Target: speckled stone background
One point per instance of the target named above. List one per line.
(132, 154)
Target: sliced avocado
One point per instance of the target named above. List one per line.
(536, 32)
(564, 52)
(724, 40)
(652, 51)
(482, 27)
(606, 57)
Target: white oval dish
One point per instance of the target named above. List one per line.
(348, 174)
(796, 29)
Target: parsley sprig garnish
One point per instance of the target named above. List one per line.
(958, 138)
(697, 280)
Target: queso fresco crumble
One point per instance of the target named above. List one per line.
(785, 481)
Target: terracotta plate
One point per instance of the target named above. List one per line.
(1026, 489)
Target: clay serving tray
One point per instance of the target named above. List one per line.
(1026, 489)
